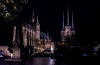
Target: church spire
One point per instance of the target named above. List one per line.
(63, 20)
(67, 15)
(72, 21)
(33, 18)
(47, 35)
(50, 38)
(37, 20)
(33, 13)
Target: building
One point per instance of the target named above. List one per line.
(68, 31)
(26, 38)
(46, 39)
(29, 40)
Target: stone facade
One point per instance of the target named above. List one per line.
(5, 50)
(27, 40)
(30, 34)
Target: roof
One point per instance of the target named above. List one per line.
(67, 25)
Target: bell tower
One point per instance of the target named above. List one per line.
(37, 30)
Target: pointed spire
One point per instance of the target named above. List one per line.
(47, 35)
(63, 20)
(67, 15)
(33, 18)
(33, 13)
(50, 38)
(72, 21)
(37, 20)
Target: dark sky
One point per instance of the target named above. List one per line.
(86, 17)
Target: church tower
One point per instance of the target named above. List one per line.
(37, 29)
(36, 25)
(33, 17)
(67, 27)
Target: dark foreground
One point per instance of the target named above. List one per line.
(55, 61)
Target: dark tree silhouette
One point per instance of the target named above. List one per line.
(10, 10)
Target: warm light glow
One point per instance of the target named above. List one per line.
(11, 55)
(32, 20)
(51, 48)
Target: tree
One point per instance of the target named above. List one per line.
(10, 10)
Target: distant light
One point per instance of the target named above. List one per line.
(60, 54)
(11, 55)
(95, 53)
(94, 49)
(84, 54)
(56, 48)
(51, 48)
(52, 61)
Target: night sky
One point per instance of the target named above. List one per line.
(50, 13)
(86, 17)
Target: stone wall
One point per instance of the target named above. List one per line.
(5, 50)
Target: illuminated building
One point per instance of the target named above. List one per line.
(68, 31)
(30, 34)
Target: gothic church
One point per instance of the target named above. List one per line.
(68, 31)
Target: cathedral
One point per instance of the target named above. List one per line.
(28, 36)
(30, 32)
(68, 31)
